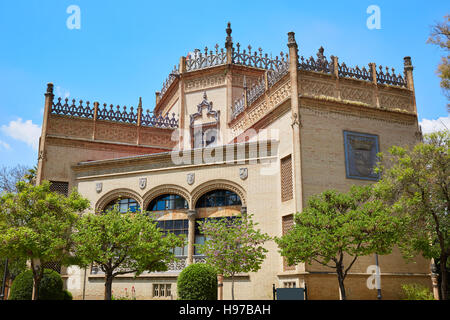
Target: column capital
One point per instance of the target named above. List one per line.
(49, 89)
(192, 213)
(291, 40)
(407, 63)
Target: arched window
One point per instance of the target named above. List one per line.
(124, 205)
(177, 227)
(218, 198)
(168, 202)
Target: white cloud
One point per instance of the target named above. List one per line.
(4, 145)
(27, 132)
(428, 126)
(61, 92)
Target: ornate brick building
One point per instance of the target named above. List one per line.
(236, 130)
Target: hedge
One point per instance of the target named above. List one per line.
(198, 281)
(51, 287)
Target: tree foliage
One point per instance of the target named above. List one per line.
(36, 224)
(337, 228)
(233, 246)
(120, 243)
(417, 187)
(440, 35)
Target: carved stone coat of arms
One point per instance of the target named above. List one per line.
(190, 178)
(142, 183)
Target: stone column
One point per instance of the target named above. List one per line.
(336, 75)
(49, 96)
(94, 129)
(295, 114)
(376, 97)
(229, 44)
(184, 142)
(192, 214)
(139, 119)
(408, 68)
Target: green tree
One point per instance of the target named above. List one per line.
(233, 246)
(36, 224)
(120, 243)
(337, 228)
(417, 187)
(440, 36)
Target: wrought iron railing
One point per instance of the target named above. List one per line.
(112, 113)
(355, 73)
(199, 60)
(322, 64)
(390, 78)
(257, 60)
(117, 115)
(66, 109)
(169, 80)
(259, 88)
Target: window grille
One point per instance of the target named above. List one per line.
(60, 187)
(286, 179)
(287, 224)
(55, 266)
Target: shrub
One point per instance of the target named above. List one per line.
(67, 295)
(22, 286)
(415, 291)
(198, 281)
(51, 287)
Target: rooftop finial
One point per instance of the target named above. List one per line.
(291, 39)
(229, 42)
(140, 103)
(50, 88)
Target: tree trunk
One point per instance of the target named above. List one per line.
(341, 283)
(443, 267)
(232, 287)
(108, 286)
(38, 273)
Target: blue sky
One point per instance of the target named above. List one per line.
(125, 49)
